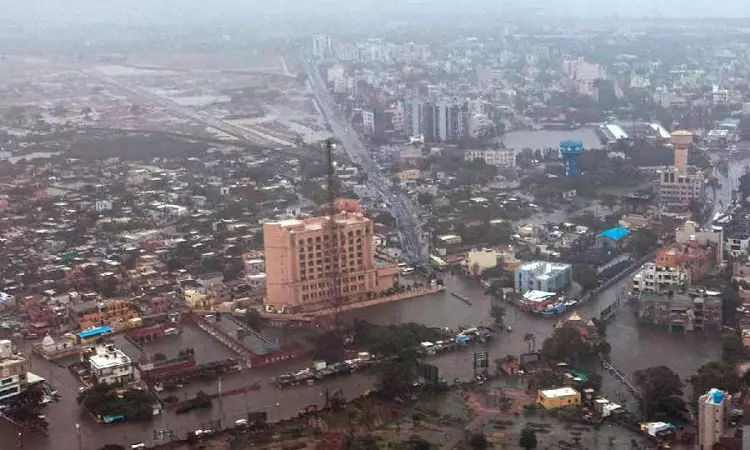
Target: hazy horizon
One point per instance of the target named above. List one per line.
(175, 12)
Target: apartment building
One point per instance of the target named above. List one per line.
(696, 310)
(693, 257)
(305, 258)
(503, 157)
(714, 414)
(691, 232)
(542, 276)
(108, 364)
(108, 312)
(653, 278)
(13, 370)
(678, 189)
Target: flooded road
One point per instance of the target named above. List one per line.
(633, 348)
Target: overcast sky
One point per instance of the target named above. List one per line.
(196, 11)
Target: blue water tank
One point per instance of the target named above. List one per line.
(716, 396)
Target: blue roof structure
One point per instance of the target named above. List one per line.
(716, 396)
(92, 332)
(615, 233)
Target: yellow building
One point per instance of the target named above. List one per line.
(93, 314)
(195, 298)
(558, 398)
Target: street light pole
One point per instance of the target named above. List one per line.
(78, 436)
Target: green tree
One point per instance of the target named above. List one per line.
(567, 345)
(528, 440)
(642, 241)
(254, 319)
(396, 376)
(662, 393)
(717, 375)
(585, 275)
(425, 198)
(732, 349)
(478, 441)
(329, 346)
(498, 313)
(594, 382)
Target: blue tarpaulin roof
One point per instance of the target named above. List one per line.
(95, 331)
(615, 233)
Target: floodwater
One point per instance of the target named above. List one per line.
(521, 139)
(633, 348)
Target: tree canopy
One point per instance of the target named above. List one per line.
(662, 392)
(715, 374)
(528, 440)
(567, 345)
(103, 399)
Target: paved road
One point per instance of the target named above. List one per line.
(406, 213)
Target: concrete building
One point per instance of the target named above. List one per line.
(583, 75)
(681, 142)
(321, 46)
(679, 189)
(690, 232)
(109, 312)
(108, 364)
(481, 260)
(543, 276)
(444, 120)
(652, 278)
(714, 413)
(494, 157)
(677, 311)
(302, 265)
(12, 372)
(692, 257)
(558, 398)
(738, 246)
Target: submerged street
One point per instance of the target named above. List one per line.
(633, 348)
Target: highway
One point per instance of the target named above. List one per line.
(406, 212)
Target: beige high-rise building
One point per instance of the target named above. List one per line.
(681, 142)
(301, 262)
(714, 412)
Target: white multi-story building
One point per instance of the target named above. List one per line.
(368, 120)
(652, 278)
(108, 364)
(12, 372)
(543, 276)
(583, 74)
(321, 46)
(503, 157)
(714, 413)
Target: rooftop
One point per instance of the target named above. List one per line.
(559, 392)
(615, 233)
(106, 356)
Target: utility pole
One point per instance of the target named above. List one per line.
(79, 436)
(221, 404)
